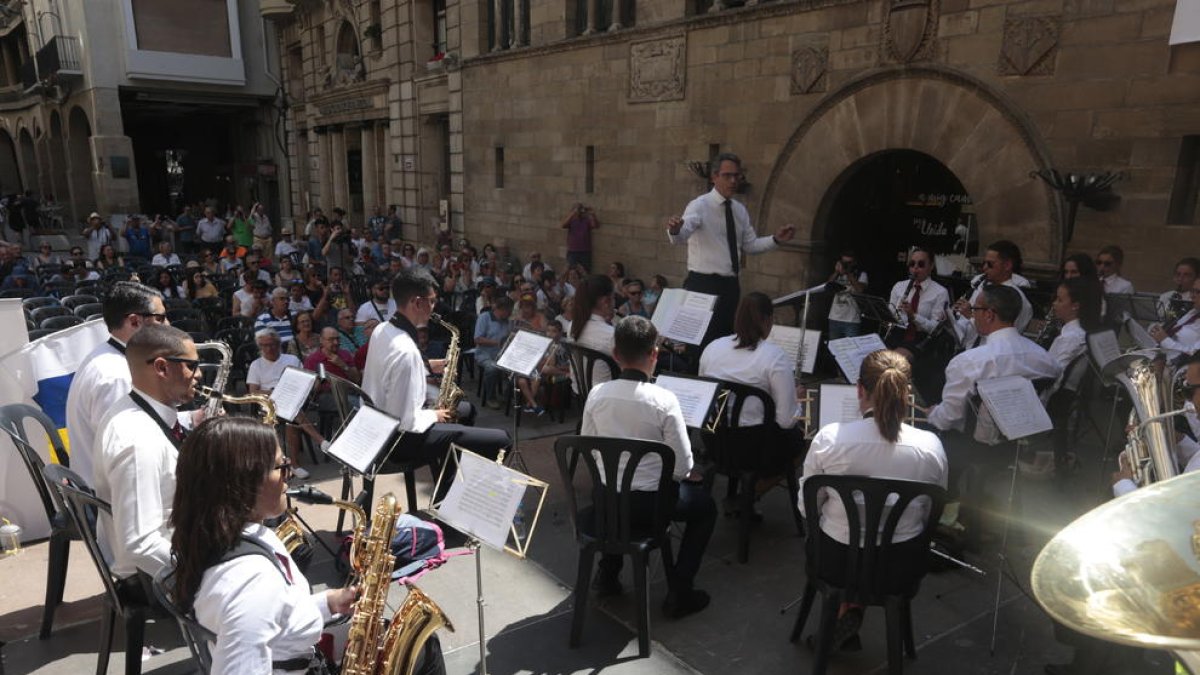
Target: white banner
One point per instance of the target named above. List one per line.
(1186, 25)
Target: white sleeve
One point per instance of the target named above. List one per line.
(783, 391)
(138, 506)
(812, 465)
(1123, 487)
(249, 621)
(254, 373)
(675, 435)
(951, 412)
(692, 219)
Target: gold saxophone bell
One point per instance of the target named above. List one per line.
(261, 400)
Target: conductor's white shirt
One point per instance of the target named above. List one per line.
(1006, 352)
(966, 327)
(394, 377)
(258, 616)
(931, 305)
(135, 473)
(766, 366)
(704, 231)
(857, 448)
(643, 411)
(100, 382)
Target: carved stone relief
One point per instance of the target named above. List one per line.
(809, 63)
(910, 29)
(1030, 45)
(657, 70)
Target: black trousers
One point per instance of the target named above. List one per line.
(906, 564)
(728, 291)
(434, 443)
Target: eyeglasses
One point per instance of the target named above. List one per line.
(980, 308)
(916, 263)
(192, 364)
(286, 467)
(156, 318)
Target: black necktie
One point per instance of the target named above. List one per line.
(731, 236)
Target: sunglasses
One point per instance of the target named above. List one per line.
(979, 308)
(192, 364)
(156, 318)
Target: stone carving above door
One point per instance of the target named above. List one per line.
(809, 64)
(1030, 45)
(658, 70)
(910, 29)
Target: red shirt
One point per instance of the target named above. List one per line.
(318, 357)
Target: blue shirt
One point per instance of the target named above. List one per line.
(282, 326)
(139, 241)
(489, 327)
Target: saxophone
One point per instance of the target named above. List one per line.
(450, 393)
(213, 407)
(373, 646)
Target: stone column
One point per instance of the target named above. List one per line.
(341, 190)
(325, 169)
(518, 40)
(370, 182)
(591, 17)
(497, 25)
(615, 24)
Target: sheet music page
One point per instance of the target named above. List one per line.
(838, 403)
(1015, 406)
(524, 353)
(850, 352)
(1139, 334)
(683, 315)
(368, 432)
(1104, 347)
(699, 301)
(291, 392)
(668, 304)
(788, 339)
(695, 397)
(483, 499)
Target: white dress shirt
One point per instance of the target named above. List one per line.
(931, 306)
(766, 366)
(643, 411)
(843, 308)
(266, 373)
(1185, 340)
(370, 310)
(857, 448)
(257, 615)
(394, 377)
(1187, 448)
(704, 231)
(135, 473)
(597, 335)
(1070, 343)
(1117, 285)
(1006, 352)
(966, 327)
(160, 260)
(100, 382)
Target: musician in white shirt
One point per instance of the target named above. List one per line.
(1187, 449)
(590, 316)
(920, 303)
(103, 378)
(1183, 336)
(234, 572)
(632, 407)
(881, 446)
(1001, 264)
(137, 446)
(1108, 262)
(1186, 272)
(1076, 306)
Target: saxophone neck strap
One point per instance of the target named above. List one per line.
(149, 410)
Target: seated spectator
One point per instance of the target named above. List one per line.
(254, 264)
(287, 273)
(334, 298)
(109, 259)
(261, 378)
(165, 257)
(487, 291)
(264, 258)
(491, 330)
(164, 282)
(277, 317)
(351, 337)
(651, 295)
(208, 263)
(564, 317)
(528, 317)
(285, 248)
(231, 255)
(244, 301)
(633, 305)
(337, 361)
(197, 285)
(297, 300)
(616, 273)
(552, 292)
(527, 271)
(305, 338)
(554, 369)
(46, 256)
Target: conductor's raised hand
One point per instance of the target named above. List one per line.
(674, 224)
(786, 232)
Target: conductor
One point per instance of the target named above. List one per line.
(717, 230)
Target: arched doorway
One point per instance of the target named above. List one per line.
(29, 163)
(10, 173)
(79, 158)
(58, 160)
(892, 200)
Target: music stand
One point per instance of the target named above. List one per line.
(701, 398)
(1141, 307)
(521, 355)
(876, 309)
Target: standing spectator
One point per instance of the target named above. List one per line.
(334, 298)
(336, 360)
(845, 319)
(316, 243)
(393, 228)
(491, 329)
(380, 307)
(165, 257)
(261, 226)
(138, 238)
(211, 231)
(376, 224)
(185, 229)
(98, 233)
(579, 223)
(285, 248)
(241, 229)
(277, 316)
(717, 230)
(162, 229)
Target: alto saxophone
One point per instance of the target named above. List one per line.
(213, 407)
(373, 646)
(449, 394)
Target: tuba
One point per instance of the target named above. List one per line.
(375, 646)
(1150, 449)
(213, 407)
(449, 394)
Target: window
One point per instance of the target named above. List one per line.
(1182, 210)
(598, 16)
(319, 46)
(499, 166)
(295, 72)
(439, 27)
(589, 169)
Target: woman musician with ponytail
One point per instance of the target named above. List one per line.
(882, 446)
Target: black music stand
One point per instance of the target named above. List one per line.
(878, 310)
(521, 356)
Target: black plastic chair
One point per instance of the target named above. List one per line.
(25, 293)
(39, 333)
(175, 314)
(734, 449)
(57, 323)
(867, 578)
(73, 301)
(172, 304)
(610, 530)
(84, 509)
(40, 314)
(195, 635)
(87, 309)
(583, 362)
(188, 325)
(13, 418)
(31, 304)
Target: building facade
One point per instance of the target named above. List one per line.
(869, 124)
(138, 106)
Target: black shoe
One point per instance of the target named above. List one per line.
(683, 603)
(845, 631)
(606, 587)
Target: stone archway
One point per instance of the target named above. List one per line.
(978, 135)
(29, 163)
(10, 172)
(58, 160)
(79, 163)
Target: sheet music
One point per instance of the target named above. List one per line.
(683, 315)
(1014, 406)
(1139, 334)
(695, 397)
(364, 438)
(789, 339)
(484, 499)
(1104, 347)
(838, 403)
(291, 392)
(850, 352)
(524, 353)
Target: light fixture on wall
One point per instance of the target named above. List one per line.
(1093, 190)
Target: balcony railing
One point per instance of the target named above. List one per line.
(60, 56)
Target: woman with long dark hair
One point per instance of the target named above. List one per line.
(1076, 305)
(1079, 265)
(882, 446)
(231, 569)
(590, 320)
